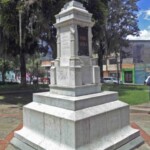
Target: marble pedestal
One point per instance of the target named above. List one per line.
(75, 114)
(91, 122)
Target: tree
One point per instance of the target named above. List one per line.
(114, 20)
(22, 26)
(99, 9)
(121, 22)
(6, 65)
(17, 39)
(48, 9)
(45, 10)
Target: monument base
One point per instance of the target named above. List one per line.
(76, 123)
(105, 143)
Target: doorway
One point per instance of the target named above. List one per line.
(128, 76)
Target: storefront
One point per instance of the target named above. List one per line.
(128, 73)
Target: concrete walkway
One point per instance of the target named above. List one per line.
(140, 119)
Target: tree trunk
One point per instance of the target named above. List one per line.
(118, 75)
(117, 63)
(121, 64)
(3, 69)
(23, 69)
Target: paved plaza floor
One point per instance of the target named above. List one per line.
(11, 120)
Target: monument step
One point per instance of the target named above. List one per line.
(59, 124)
(121, 139)
(132, 144)
(75, 103)
(79, 114)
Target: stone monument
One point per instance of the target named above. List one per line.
(75, 114)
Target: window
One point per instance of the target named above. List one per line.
(112, 74)
(112, 61)
(104, 62)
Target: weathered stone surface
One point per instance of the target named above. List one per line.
(75, 114)
(75, 103)
(96, 127)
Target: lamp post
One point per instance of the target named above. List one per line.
(22, 56)
(20, 28)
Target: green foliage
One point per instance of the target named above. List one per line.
(17, 40)
(4, 65)
(33, 64)
(122, 21)
(4, 1)
(45, 11)
(118, 19)
(114, 20)
(7, 65)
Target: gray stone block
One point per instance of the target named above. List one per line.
(75, 103)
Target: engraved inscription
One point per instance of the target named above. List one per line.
(62, 74)
(65, 44)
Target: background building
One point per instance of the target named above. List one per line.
(136, 61)
(133, 62)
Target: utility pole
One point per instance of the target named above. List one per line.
(22, 57)
(20, 28)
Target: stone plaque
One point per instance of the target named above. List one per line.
(65, 44)
(83, 41)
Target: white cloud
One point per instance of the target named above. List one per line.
(143, 35)
(148, 27)
(145, 14)
(140, 13)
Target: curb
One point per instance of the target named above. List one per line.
(139, 110)
(4, 143)
(145, 136)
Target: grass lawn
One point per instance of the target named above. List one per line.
(7, 96)
(18, 87)
(131, 94)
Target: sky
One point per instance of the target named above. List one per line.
(143, 20)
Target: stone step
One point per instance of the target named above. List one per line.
(75, 103)
(118, 106)
(121, 139)
(68, 126)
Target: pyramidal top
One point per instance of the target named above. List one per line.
(73, 4)
(73, 10)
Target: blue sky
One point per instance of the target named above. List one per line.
(144, 20)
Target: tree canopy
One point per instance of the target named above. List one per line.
(23, 23)
(121, 22)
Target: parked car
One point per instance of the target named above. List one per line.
(111, 80)
(147, 81)
(44, 80)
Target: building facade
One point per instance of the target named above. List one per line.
(135, 63)
(136, 59)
